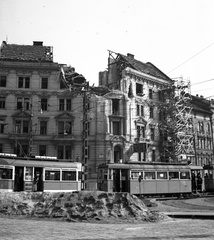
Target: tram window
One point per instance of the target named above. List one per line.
(161, 175)
(149, 175)
(79, 176)
(28, 174)
(135, 175)
(184, 175)
(52, 175)
(69, 175)
(173, 175)
(105, 174)
(5, 173)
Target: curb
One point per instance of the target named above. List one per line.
(190, 215)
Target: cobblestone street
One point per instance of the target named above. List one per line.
(171, 229)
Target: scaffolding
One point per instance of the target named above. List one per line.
(176, 127)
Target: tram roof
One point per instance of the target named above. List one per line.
(35, 163)
(144, 166)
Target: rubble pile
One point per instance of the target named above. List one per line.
(78, 206)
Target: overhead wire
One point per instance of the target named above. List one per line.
(190, 58)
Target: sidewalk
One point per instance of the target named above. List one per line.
(195, 208)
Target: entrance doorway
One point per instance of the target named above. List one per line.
(38, 179)
(19, 179)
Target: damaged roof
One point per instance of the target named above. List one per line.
(35, 52)
(200, 104)
(147, 68)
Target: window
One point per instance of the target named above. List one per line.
(161, 175)
(23, 103)
(64, 127)
(149, 175)
(61, 105)
(52, 174)
(64, 152)
(42, 150)
(44, 104)
(153, 155)
(173, 175)
(62, 85)
(116, 127)
(69, 175)
(140, 131)
(24, 82)
(44, 84)
(139, 89)
(115, 106)
(2, 102)
(21, 126)
(150, 94)
(43, 127)
(3, 80)
(140, 110)
(142, 156)
(184, 175)
(68, 104)
(152, 130)
(151, 112)
(208, 129)
(6, 173)
(2, 124)
(64, 104)
(136, 174)
(161, 96)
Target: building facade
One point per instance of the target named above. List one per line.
(125, 123)
(37, 111)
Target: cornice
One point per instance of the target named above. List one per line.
(5, 92)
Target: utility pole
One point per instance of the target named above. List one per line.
(85, 135)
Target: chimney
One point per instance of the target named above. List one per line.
(37, 43)
(129, 55)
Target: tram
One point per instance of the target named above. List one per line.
(141, 178)
(45, 174)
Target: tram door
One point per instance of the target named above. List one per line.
(120, 180)
(38, 179)
(19, 179)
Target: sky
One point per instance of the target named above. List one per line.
(177, 36)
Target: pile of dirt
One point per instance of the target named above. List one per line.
(78, 206)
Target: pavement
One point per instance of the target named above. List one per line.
(193, 208)
(171, 228)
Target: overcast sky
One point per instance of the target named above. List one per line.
(177, 36)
